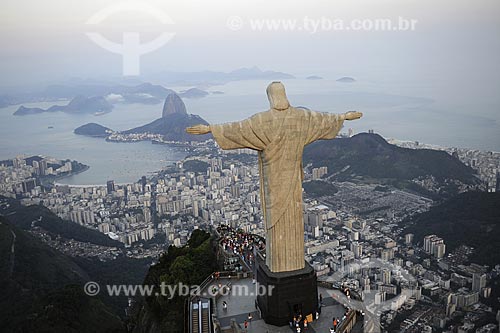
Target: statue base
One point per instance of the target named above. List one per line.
(292, 293)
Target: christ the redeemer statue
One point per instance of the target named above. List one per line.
(279, 135)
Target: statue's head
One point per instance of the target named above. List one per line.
(277, 96)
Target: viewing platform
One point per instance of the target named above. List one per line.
(230, 297)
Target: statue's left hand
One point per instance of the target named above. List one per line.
(352, 115)
(198, 129)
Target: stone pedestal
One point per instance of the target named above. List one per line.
(293, 291)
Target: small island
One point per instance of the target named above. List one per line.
(346, 79)
(24, 111)
(314, 77)
(80, 104)
(193, 93)
(93, 130)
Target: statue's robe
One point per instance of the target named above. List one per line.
(280, 137)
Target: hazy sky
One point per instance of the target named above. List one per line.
(456, 39)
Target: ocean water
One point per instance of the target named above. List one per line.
(407, 111)
(121, 162)
(394, 109)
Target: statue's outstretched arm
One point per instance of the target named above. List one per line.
(198, 129)
(324, 125)
(352, 115)
(235, 135)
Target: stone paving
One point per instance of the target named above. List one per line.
(239, 307)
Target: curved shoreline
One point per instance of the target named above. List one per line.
(83, 169)
(97, 185)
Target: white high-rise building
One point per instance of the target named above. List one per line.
(408, 239)
(357, 249)
(478, 281)
(386, 276)
(435, 246)
(380, 297)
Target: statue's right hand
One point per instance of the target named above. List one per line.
(352, 115)
(198, 129)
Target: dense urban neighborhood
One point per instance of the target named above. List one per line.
(424, 284)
